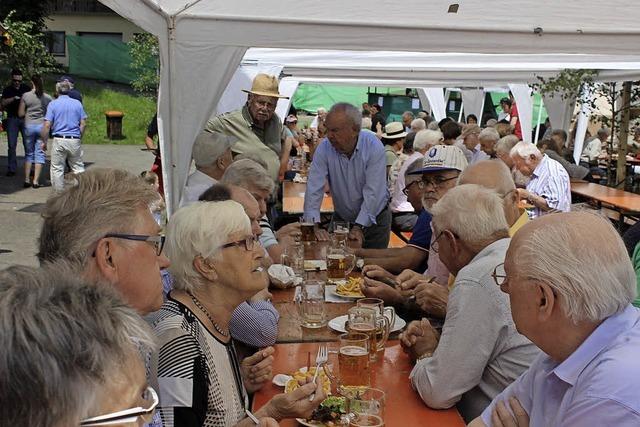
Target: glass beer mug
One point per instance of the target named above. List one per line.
(354, 369)
(365, 408)
(310, 304)
(340, 262)
(366, 320)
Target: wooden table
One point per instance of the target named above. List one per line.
(293, 199)
(403, 405)
(624, 202)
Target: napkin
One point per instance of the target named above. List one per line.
(283, 276)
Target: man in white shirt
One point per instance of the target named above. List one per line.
(212, 155)
(593, 147)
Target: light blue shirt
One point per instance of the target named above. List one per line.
(597, 385)
(358, 184)
(65, 115)
(551, 181)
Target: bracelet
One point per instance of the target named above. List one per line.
(424, 356)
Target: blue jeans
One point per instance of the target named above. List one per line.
(15, 125)
(32, 148)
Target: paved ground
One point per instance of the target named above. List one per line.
(20, 207)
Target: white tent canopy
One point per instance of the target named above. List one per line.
(203, 42)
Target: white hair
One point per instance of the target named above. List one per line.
(366, 123)
(592, 284)
(351, 112)
(506, 143)
(474, 213)
(433, 125)
(489, 134)
(426, 138)
(199, 230)
(524, 150)
(321, 110)
(247, 173)
(418, 124)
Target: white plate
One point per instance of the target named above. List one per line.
(334, 292)
(337, 324)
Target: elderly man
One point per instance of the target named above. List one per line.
(479, 352)
(417, 125)
(407, 119)
(212, 156)
(548, 189)
(593, 147)
(104, 228)
(321, 115)
(575, 304)
(488, 138)
(66, 120)
(353, 162)
(257, 127)
(503, 147)
(471, 144)
(404, 213)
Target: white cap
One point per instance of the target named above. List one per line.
(209, 146)
(442, 158)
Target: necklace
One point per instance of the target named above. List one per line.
(206, 313)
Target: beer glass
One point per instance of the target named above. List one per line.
(378, 305)
(308, 231)
(354, 371)
(340, 231)
(310, 304)
(365, 408)
(366, 320)
(293, 256)
(340, 262)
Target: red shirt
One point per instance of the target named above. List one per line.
(514, 113)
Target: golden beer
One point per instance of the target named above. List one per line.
(336, 266)
(370, 331)
(353, 363)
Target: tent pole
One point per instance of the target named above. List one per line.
(538, 122)
(460, 115)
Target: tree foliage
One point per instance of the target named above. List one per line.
(144, 52)
(34, 11)
(26, 49)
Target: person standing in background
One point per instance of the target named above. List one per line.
(11, 96)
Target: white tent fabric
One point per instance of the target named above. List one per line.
(581, 125)
(233, 97)
(287, 88)
(435, 97)
(560, 111)
(524, 102)
(208, 38)
(473, 101)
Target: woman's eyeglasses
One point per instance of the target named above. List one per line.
(249, 243)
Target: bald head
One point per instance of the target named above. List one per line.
(250, 205)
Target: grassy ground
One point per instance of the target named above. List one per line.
(99, 97)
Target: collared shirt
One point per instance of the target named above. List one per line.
(268, 237)
(265, 143)
(592, 150)
(399, 202)
(255, 324)
(65, 115)
(197, 183)
(479, 352)
(477, 155)
(595, 386)
(550, 181)
(358, 184)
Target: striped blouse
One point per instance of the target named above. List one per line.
(550, 181)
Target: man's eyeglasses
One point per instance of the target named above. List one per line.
(499, 275)
(156, 241)
(421, 186)
(437, 181)
(132, 415)
(434, 245)
(249, 243)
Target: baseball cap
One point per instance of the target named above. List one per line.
(209, 146)
(442, 158)
(66, 78)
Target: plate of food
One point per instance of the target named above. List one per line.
(328, 414)
(338, 324)
(350, 288)
(302, 373)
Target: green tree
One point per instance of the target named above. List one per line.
(26, 49)
(145, 56)
(34, 11)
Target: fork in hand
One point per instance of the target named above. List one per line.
(321, 358)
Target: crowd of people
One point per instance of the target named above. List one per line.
(513, 316)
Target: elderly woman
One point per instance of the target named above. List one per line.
(70, 355)
(216, 267)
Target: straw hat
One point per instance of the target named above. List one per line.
(265, 85)
(394, 130)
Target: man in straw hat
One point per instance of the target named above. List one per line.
(212, 155)
(257, 127)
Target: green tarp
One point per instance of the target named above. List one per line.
(100, 59)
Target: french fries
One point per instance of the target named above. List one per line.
(351, 288)
(298, 376)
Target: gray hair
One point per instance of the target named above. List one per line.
(491, 123)
(63, 87)
(592, 285)
(419, 124)
(505, 144)
(408, 113)
(252, 156)
(474, 213)
(63, 340)
(489, 134)
(433, 125)
(102, 201)
(248, 174)
(524, 150)
(366, 123)
(354, 114)
(426, 138)
(604, 132)
(199, 230)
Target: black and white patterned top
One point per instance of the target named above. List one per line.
(198, 376)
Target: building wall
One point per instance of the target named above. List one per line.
(94, 23)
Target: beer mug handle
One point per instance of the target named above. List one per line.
(392, 316)
(284, 259)
(329, 372)
(385, 333)
(352, 263)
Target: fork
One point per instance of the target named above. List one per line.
(321, 358)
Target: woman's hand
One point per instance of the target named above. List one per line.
(257, 369)
(296, 404)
